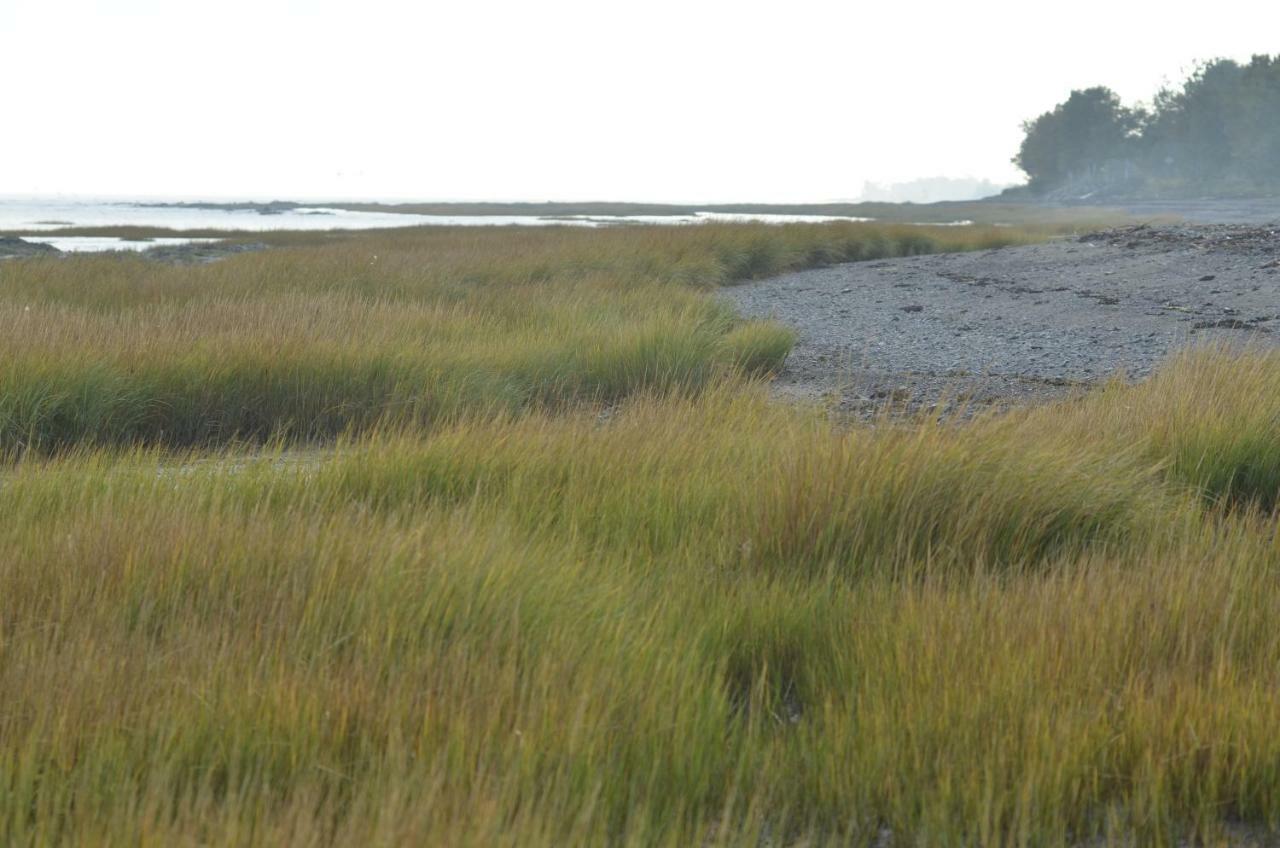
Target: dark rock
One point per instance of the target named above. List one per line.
(1228, 324)
(16, 247)
(199, 253)
(915, 307)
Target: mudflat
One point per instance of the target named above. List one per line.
(1020, 323)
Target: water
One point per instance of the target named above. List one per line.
(48, 214)
(93, 244)
(695, 218)
(55, 213)
(52, 213)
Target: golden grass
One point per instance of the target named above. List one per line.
(416, 326)
(697, 618)
(703, 614)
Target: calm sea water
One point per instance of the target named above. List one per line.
(47, 214)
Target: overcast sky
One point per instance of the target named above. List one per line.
(686, 100)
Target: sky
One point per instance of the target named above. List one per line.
(685, 101)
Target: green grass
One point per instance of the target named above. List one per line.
(411, 327)
(644, 608)
(1191, 416)
(703, 614)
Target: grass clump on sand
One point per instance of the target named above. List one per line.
(1211, 418)
(701, 618)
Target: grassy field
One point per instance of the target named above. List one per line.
(414, 327)
(494, 538)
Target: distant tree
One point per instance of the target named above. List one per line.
(1191, 133)
(1041, 156)
(1218, 131)
(1255, 128)
(1079, 136)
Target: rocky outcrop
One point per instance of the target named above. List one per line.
(20, 248)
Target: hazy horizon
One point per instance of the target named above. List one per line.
(566, 101)
(870, 193)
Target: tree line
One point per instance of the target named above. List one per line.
(1218, 132)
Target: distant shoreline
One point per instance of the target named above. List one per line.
(555, 208)
(991, 210)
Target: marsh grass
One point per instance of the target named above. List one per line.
(652, 609)
(707, 618)
(1193, 417)
(417, 327)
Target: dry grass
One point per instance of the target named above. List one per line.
(700, 619)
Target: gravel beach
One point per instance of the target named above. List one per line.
(1019, 323)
